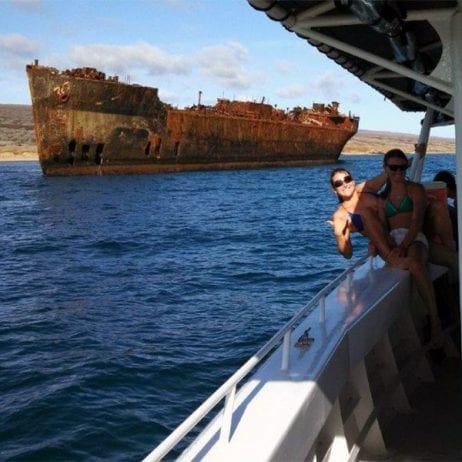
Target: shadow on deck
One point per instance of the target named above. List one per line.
(432, 431)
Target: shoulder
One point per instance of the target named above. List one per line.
(417, 193)
(339, 218)
(416, 188)
(369, 196)
(339, 213)
(360, 186)
(362, 189)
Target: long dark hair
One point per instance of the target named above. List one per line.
(391, 154)
(332, 174)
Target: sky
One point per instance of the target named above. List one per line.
(223, 48)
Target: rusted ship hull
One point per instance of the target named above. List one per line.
(92, 125)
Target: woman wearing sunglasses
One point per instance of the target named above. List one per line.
(360, 211)
(404, 206)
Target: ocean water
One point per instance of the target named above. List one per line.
(126, 301)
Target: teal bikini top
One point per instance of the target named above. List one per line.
(406, 205)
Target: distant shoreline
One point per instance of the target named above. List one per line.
(364, 143)
(18, 153)
(22, 155)
(17, 141)
(383, 153)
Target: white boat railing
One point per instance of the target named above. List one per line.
(228, 389)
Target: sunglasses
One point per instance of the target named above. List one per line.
(337, 183)
(396, 167)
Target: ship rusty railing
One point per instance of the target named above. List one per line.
(228, 389)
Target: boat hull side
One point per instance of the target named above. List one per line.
(212, 138)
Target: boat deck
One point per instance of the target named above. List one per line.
(433, 430)
(369, 382)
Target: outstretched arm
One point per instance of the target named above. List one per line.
(373, 184)
(341, 225)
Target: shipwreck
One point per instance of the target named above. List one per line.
(86, 123)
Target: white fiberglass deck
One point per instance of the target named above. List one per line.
(283, 409)
(290, 407)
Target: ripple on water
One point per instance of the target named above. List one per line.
(126, 301)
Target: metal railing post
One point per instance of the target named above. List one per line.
(225, 431)
(349, 281)
(286, 350)
(322, 309)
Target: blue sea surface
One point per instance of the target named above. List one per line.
(125, 301)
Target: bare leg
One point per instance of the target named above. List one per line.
(376, 230)
(438, 228)
(418, 254)
(445, 256)
(438, 224)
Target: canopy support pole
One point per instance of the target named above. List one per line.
(421, 147)
(456, 58)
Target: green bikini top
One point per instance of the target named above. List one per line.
(406, 205)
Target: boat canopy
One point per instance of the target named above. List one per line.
(400, 48)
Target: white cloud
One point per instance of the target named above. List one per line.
(173, 2)
(224, 66)
(285, 67)
(227, 64)
(28, 4)
(128, 58)
(292, 91)
(169, 96)
(17, 45)
(355, 98)
(16, 51)
(329, 85)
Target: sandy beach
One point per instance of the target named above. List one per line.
(18, 153)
